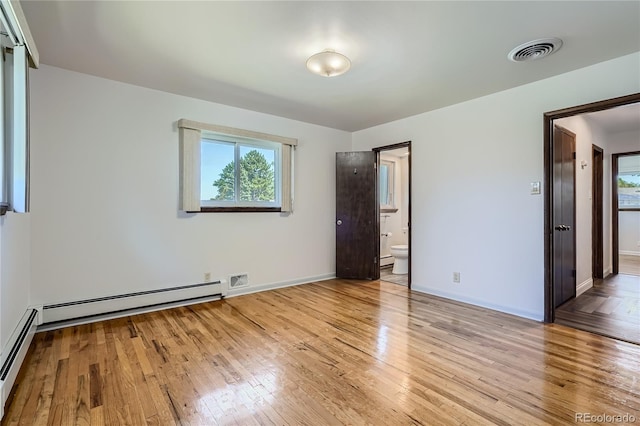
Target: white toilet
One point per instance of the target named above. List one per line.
(400, 254)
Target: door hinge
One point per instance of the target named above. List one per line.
(375, 260)
(375, 166)
(573, 273)
(574, 155)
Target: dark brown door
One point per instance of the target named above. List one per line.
(357, 217)
(597, 185)
(564, 237)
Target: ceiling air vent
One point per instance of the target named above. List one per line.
(535, 49)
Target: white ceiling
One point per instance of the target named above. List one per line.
(615, 120)
(407, 57)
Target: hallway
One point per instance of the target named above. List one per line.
(610, 308)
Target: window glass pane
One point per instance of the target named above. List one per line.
(257, 174)
(384, 184)
(217, 175)
(629, 181)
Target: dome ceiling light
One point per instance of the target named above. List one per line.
(328, 63)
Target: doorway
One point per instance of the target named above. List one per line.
(603, 303)
(394, 195)
(550, 260)
(625, 212)
(358, 211)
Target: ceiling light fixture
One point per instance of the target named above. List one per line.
(328, 63)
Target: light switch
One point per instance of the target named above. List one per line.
(535, 188)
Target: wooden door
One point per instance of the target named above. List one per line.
(564, 236)
(357, 217)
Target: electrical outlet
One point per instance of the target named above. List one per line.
(207, 277)
(456, 277)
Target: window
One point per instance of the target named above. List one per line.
(239, 173)
(224, 169)
(629, 182)
(386, 184)
(18, 51)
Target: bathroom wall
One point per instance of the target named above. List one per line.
(394, 222)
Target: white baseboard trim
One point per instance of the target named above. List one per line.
(14, 352)
(536, 316)
(629, 252)
(584, 286)
(386, 261)
(282, 284)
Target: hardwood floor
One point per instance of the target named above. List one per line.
(629, 265)
(334, 352)
(611, 307)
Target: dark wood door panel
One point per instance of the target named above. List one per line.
(357, 223)
(564, 234)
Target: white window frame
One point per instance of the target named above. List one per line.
(191, 135)
(391, 170)
(19, 51)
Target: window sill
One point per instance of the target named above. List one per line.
(238, 210)
(629, 209)
(388, 210)
(4, 208)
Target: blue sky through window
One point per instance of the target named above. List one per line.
(215, 156)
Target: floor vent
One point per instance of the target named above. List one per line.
(239, 280)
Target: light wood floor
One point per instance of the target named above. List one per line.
(329, 353)
(611, 307)
(629, 264)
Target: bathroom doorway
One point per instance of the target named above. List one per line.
(394, 194)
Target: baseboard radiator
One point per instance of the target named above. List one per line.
(130, 303)
(13, 357)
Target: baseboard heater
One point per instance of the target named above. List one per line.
(21, 339)
(130, 303)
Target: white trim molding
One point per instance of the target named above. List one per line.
(584, 286)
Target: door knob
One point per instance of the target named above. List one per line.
(559, 228)
(339, 222)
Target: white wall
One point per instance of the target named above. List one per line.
(584, 189)
(629, 232)
(104, 192)
(15, 272)
(472, 166)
